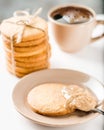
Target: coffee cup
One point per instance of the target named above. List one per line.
(74, 33)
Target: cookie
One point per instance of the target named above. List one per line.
(30, 59)
(25, 70)
(26, 45)
(66, 99)
(18, 74)
(28, 65)
(7, 42)
(38, 49)
(26, 49)
(47, 99)
(12, 26)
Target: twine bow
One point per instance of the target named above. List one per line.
(25, 23)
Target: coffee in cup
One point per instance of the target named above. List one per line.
(72, 26)
(72, 15)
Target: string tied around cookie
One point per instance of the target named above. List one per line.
(25, 23)
(28, 22)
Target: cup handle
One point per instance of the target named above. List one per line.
(100, 36)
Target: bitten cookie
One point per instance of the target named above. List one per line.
(54, 99)
(47, 99)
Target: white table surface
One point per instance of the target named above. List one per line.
(89, 60)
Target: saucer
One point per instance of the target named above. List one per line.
(30, 81)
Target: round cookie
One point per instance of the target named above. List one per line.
(30, 50)
(19, 74)
(7, 42)
(25, 70)
(12, 26)
(38, 49)
(31, 59)
(47, 99)
(27, 49)
(28, 65)
(41, 56)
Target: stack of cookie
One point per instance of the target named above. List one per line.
(26, 45)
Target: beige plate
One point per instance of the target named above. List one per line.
(54, 76)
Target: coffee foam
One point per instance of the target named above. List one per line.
(75, 14)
